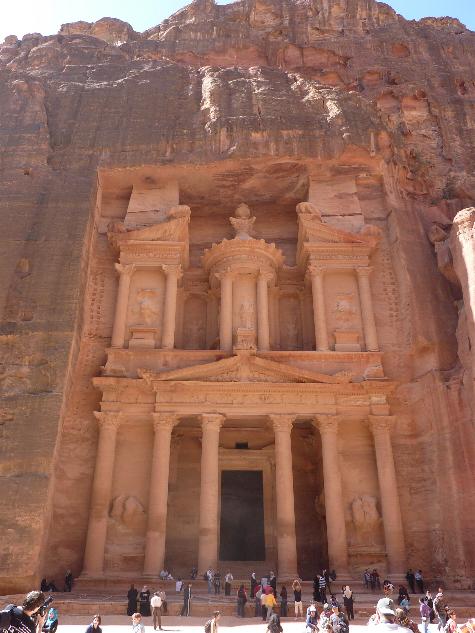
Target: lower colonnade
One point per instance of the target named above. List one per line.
(208, 542)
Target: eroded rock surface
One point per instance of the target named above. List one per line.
(272, 102)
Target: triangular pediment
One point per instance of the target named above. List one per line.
(174, 228)
(314, 230)
(245, 368)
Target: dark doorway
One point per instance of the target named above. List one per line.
(242, 516)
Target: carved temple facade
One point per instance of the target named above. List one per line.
(243, 363)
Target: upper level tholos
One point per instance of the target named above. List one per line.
(243, 293)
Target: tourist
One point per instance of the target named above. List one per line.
(258, 602)
(338, 620)
(209, 579)
(385, 619)
(253, 584)
(311, 623)
(375, 580)
(316, 588)
(144, 601)
(132, 595)
(348, 601)
(227, 583)
(404, 620)
(137, 624)
(324, 623)
(186, 609)
(430, 602)
(419, 580)
(217, 583)
(241, 601)
(322, 586)
(283, 601)
(404, 604)
(273, 625)
(156, 604)
(95, 626)
(263, 606)
(402, 594)
(297, 589)
(273, 583)
(51, 622)
(411, 579)
(425, 612)
(440, 610)
(163, 596)
(333, 601)
(178, 585)
(366, 578)
(193, 573)
(211, 626)
(68, 581)
(269, 601)
(163, 574)
(451, 625)
(328, 585)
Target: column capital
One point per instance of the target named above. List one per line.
(211, 421)
(327, 424)
(316, 270)
(172, 269)
(282, 423)
(364, 271)
(224, 274)
(108, 420)
(265, 275)
(124, 269)
(381, 423)
(164, 420)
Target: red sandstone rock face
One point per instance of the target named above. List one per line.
(348, 87)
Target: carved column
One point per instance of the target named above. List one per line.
(334, 508)
(226, 312)
(263, 338)
(101, 493)
(286, 540)
(209, 490)
(163, 424)
(318, 295)
(118, 331)
(380, 426)
(172, 273)
(366, 302)
(211, 322)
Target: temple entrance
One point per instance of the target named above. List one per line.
(242, 516)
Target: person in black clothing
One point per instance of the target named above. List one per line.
(144, 601)
(411, 579)
(25, 619)
(273, 583)
(44, 586)
(68, 581)
(253, 584)
(274, 625)
(95, 626)
(132, 595)
(316, 589)
(186, 609)
(283, 601)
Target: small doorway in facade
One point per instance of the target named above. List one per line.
(242, 516)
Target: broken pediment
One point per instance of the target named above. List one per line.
(173, 228)
(245, 367)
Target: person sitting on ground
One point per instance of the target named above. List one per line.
(137, 624)
(51, 622)
(211, 625)
(95, 626)
(163, 574)
(311, 623)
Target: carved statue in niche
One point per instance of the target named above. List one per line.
(242, 222)
(128, 512)
(147, 307)
(246, 315)
(366, 520)
(345, 310)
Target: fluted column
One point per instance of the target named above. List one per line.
(172, 273)
(209, 490)
(380, 426)
(226, 312)
(163, 424)
(286, 540)
(366, 302)
(120, 319)
(334, 508)
(263, 338)
(321, 335)
(101, 493)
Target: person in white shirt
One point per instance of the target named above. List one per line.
(179, 585)
(227, 583)
(156, 604)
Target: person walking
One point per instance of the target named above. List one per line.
(425, 614)
(137, 624)
(228, 579)
(269, 602)
(211, 626)
(348, 601)
(440, 610)
(132, 595)
(283, 602)
(95, 626)
(156, 605)
(297, 589)
(241, 601)
(186, 609)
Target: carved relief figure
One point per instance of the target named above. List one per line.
(246, 315)
(366, 520)
(345, 310)
(128, 511)
(147, 307)
(243, 222)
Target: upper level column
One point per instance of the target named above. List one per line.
(334, 508)
(173, 273)
(286, 540)
(380, 426)
(321, 334)
(209, 490)
(226, 312)
(118, 331)
(366, 301)
(101, 493)
(263, 337)
(163, 424)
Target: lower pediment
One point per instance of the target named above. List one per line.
(245, 367)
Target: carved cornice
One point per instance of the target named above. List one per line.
(211, 421)
(250, 253)
(165, 420)
(108, 421)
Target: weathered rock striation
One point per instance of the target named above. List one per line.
(345, 104)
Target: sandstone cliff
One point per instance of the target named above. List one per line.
(379, 110)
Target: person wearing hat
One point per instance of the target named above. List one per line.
(311, 623)
(387, 617)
